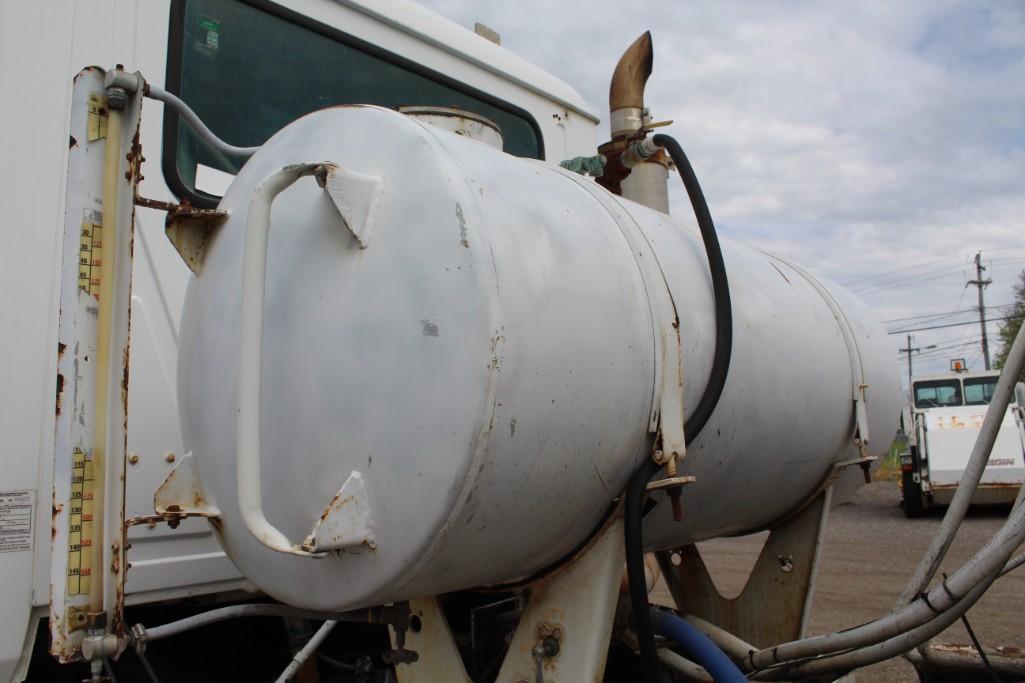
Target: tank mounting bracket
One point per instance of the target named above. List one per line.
(346, 523)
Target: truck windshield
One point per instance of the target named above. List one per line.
(938, 393)
(249, 67)
(978, 391)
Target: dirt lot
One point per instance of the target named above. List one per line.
(869, 554)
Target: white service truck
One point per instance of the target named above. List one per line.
(945, 420)
(247, 67)
(437, 408)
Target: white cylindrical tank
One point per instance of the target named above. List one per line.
(488, 365)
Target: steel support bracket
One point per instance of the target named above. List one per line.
(776, 601)
(574, 607)
(180, 495)
(190, 230)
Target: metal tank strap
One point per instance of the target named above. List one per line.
(667, 412)
(858, 383)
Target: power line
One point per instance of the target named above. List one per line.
(939, 352)
(867, 282)
(877, 276)
(912, 279)
(955, 341)
(848, 283)
(910, 282)
(941, 315)
(944, 350)
(910, 276)
(936, 327)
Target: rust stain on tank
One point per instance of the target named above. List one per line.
(117, 613)
(60, 392)
(61, 347)
(124, 382)
(336, 504)
(115, 558)
(149, 520)
(56, 510)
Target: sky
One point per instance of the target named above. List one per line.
(879, 144)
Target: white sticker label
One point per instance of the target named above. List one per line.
(16, 510)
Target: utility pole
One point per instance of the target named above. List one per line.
(981, 284)
(910, 351)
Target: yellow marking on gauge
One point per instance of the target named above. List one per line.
(90, 258)
(96, 120)
(80, 521)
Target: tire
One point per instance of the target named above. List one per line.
(911, 493)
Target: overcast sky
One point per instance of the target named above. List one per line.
(857, 138)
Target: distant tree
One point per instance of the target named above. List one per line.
(1009, 327)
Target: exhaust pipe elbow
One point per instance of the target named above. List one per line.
(626, 92)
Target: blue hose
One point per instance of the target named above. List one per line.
(696, 646)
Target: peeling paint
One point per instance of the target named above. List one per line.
(463, 236)
(495, 362)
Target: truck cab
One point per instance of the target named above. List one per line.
(945, 419)
(248, 67)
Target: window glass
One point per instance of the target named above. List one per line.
(247, 72)
(978, 391)
(938, 393)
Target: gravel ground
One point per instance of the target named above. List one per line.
(870, 552)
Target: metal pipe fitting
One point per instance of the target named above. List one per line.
(639, 152)
(99, 646)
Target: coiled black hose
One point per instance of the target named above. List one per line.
(635, 489)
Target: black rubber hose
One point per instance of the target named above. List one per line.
(636, 488)
(720, 290)
(634, 550)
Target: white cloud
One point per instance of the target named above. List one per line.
(857, 138)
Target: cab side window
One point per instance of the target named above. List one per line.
(249, 67)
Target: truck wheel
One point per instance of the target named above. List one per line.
(911, 492)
